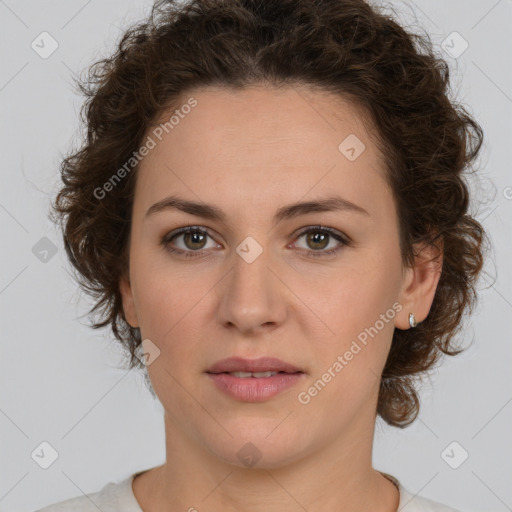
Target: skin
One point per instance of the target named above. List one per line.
(249, 152)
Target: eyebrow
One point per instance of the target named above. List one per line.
(208, 211)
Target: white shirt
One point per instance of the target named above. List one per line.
(119, 497)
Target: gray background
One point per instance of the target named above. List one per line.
(60, 380)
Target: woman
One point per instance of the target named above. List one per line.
(270, 211)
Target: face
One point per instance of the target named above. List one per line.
(320, 288)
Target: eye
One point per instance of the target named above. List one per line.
(317, 238)
(193, 241)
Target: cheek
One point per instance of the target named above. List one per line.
(351, 297)
(167, 303)
(161, 295)
(359, 307)
(348, 364)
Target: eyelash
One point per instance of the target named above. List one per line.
(344, 241)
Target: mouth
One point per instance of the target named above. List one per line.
(258, 368)
(256, 375)
(254, 380)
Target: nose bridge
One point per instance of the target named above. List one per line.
(250, 265)
(250, 295)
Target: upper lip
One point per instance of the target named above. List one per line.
(262, 364)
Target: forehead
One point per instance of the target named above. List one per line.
(292, 113)
(260, 145)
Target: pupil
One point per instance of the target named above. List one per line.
(196, 236)
(322, 236)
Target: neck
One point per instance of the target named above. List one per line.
(337, 477)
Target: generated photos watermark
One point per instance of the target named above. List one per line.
(305, 397)
(149, 144)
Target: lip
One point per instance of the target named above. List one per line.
(254, 389)
(262, 364)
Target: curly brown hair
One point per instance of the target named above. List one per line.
(342, 46)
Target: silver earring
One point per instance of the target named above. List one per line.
(412, 321)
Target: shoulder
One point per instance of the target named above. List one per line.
(410, 502)
(86, 503)
(419, 504)
(113, 497)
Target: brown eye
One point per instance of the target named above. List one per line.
(194, 239)
(188, 242)
(317, 239)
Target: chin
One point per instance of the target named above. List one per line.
(256, 449)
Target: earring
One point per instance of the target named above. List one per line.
(412, 321)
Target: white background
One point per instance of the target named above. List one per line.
(62, 382)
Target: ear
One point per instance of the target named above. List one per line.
(128, 303)
(419, 284)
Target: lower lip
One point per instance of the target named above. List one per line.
(254, 389)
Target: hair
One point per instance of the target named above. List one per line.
(345, 47)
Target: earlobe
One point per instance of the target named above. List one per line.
(420, 284)
(128, 302)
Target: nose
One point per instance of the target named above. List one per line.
(252, 297)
